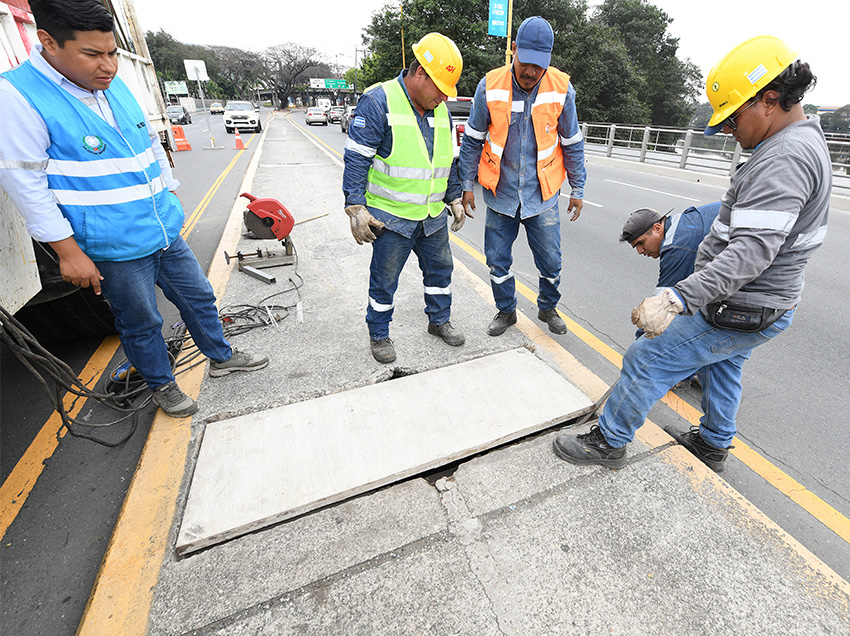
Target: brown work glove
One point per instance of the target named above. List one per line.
(656, 313)
(360, 222)
(459, 214)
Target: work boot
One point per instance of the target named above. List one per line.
(501, 322)
(589, 448)
(383, 350)
(711, 456)
(173, 401)
(551, 318)
(449, 334)
(239, 361)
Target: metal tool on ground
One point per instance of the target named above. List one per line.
(266, 219)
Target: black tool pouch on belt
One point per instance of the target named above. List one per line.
(741, 317)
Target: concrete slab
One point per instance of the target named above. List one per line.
(260, 469)
(639, 551)
(426, 589)
(250, 571)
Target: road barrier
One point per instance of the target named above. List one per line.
(180, 138)
(689, 149)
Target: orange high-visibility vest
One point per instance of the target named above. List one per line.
(545, 111)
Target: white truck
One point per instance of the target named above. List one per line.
(30, 283)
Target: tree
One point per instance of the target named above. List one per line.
(284, 64)
(621, 59)
(242, 70)
(837, 121)
(232, 72)
(167, 55)
(701, 115)
(668, 86)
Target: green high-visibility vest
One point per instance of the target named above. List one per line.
(408, 183)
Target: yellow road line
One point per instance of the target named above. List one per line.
(776, 477)
(20, 482)
(122, 594)
(205, 201)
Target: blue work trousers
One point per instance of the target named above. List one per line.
(688, 345)
(389, 254)
(544, 239)
(130, 288)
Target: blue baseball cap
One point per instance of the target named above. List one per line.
(534, 42)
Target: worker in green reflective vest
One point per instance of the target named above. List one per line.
(399, 176)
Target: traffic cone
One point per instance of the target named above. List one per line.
(239, 144)
(180, 138)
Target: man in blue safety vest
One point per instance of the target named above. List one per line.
(82, 164)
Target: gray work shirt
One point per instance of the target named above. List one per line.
(773, 217)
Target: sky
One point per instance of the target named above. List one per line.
(334, 28)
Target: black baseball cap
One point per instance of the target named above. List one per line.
(639, 223)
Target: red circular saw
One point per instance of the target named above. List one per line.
(267, 218)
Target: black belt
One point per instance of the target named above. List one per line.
(726, 315)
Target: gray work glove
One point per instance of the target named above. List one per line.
(458, 213)
(360, 222)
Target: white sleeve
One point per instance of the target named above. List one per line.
(159, 152)
(23, 164)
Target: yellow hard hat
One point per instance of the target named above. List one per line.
(441, 59)
(742, 73)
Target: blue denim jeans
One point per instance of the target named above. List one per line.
(389, 254)
(544, 239)
(688, 345)
(129, 286)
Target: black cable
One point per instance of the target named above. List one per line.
(123, 384)
(47, 367)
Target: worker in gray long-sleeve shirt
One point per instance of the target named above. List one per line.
(748, 275)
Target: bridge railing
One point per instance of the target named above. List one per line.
(689, 149)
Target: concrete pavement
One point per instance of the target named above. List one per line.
(513, 541)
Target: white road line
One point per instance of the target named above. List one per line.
(631, 185)
(586, 202)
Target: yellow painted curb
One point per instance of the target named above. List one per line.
(122, 594)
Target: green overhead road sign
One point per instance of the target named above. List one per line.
(329, 83)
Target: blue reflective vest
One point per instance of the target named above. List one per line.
(107, 183)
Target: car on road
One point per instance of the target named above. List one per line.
(335, 114)
(178, 115)
(216, 108)
(459, 109)
(238, 114)
(316, 115)
(346, 118)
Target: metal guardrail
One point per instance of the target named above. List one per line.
(689, 149)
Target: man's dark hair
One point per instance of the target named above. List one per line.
(413, 66)
(791, 84)
(60, 18)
